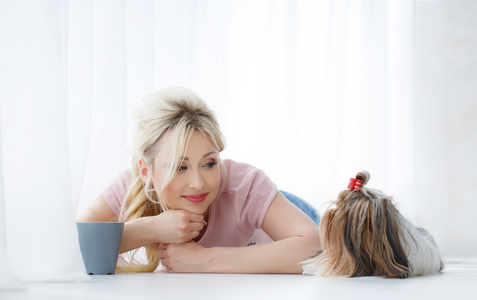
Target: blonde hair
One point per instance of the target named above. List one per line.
(177, 112)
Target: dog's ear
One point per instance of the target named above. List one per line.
(335, 259)
(392, 256)
(373, 239)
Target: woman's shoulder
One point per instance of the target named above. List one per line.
(122, 180)
(241, 174)
(125, 175)
(114, 193)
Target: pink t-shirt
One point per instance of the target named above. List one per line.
(235, 217)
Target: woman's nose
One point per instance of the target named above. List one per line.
(196, 180)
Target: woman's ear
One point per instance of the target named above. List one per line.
(143, 170)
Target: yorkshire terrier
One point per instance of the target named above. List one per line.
(363, 234)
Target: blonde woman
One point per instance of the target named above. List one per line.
(192, 211)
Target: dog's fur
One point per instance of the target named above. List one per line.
(365, 235)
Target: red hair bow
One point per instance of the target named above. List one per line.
(354, 184)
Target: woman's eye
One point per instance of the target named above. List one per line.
(210, 165)
(181, 168)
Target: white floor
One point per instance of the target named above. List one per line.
(457, 281)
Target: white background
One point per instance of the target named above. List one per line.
(309, 91)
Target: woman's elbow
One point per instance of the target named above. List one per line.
(312, 243)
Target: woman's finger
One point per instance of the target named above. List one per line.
(196, 226)
(161, 246)
(196, 218)
(195, 233)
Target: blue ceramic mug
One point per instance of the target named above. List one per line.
(99, 243)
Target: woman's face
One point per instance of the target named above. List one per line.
(197, 181)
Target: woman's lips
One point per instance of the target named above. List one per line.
(195, 198)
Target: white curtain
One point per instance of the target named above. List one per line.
(309, 91)
(41, 239)
(7, 280)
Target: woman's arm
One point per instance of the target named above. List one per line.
(295, 236)
(173, 226)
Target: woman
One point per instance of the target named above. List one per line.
(192, 211)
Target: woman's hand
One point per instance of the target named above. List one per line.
(184, 258)
(172, 226)
(175, 227)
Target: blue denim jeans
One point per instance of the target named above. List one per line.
(304, 206)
